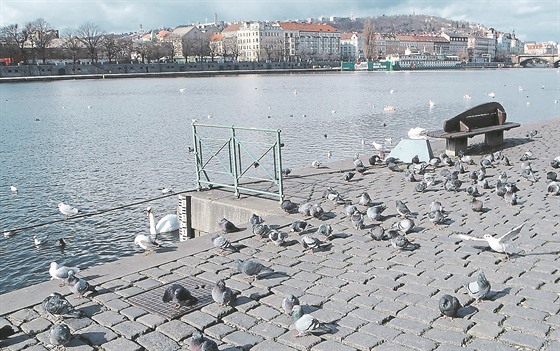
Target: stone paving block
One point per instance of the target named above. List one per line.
(243, 303)
(370, 315)
(108, 318)
(521, 339)
(240, 320)
(527, 313)
(117, 305)
(216, 310)
(446, 336)
(133, 312)
(130, 330)
(151, 320)
(380, 331)
(36, 326)
(421, 314)
(37, 348)
(154, 272)
(176, 330)
(116, 284)
(331, 346)
(312, 300)
(361, 341)
(552, 345)
(415, 342)
(322, 290)
(267, 330)
(269, 345)
(133, 290)
(263, 313)
(199, 319)
(22, 316)
(242, 339)
(408, 326)
(485, 331)
(542, 305)
(97, 335)
(300, 343)
(134, 277)
(343, 296)
(534, 328)
(18, 342)
(107, 296)
(156, 341)
(147, 284)
(121, 344)
(392, 307)
(351, 322)
(77, 323)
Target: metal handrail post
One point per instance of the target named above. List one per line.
(235, 161)
(279, 170)
(196, 155)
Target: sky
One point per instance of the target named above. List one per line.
(530, 19)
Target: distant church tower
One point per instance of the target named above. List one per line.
(215, 18)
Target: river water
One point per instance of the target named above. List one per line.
(101, 144)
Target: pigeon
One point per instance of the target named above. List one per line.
(299, 226)
(305, 208)
(60, 243)
(436, 206)
(286, 172)
(288, 303)
(436, 217)
(57, 306)
(430, 179)
(199, 342)
(306, 324)
(221, 294)
(289, 206)
(405, 226)
(400, 242)
(473, 191)
(350, 209)
(361, 169)
(316, 164)
(452, 185)
(449, 305)
(61, 272)
(67, 210)
(59, 335)
(227, 227)
(357, 220)
(277, 237)
(178, 295)
(415, 159)
(434, 162)
(478, 289)
(316, 211)
(553, 188)
(252, 269)
(6, 331)
(476, 205)
(365, 199)
(500, 188)
(527, 155)
(375, 212)
(503, 177)
(146, 242)
(552, 176)
(78, 285)
(421, 187)
(459, 167)
(529, 175)
(555, 164)
(373, 160)
(326, 230)
(255, 219)
(393, 167)
(409, 176)
(510, 197)
(261, 230)
(499, 244)
(312, 244)
(403, 210)
(348, 176)
(222, 243)
(377, 233)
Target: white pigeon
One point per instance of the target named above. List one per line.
(61, 272)
(67, 210)
(497, 244)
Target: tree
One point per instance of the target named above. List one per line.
(370, 51)
(91, 36)
(111, 46)
(230, 48)
(16, 36)
(71, 44)
(42, 36)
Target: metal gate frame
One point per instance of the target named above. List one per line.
(233, 168)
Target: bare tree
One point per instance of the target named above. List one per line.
(370, 51)
(72, 44)
(201, 46)
(16, 36)
(42, 35)
(187, 47)
(91, 36)
(111, 46)
(230, 48)
(124, 53)
(167, 50)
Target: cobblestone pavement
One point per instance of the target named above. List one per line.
(380, 299)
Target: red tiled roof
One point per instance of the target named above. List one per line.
(307, 27)
(232, 27)
(216, 37)
(346, 36)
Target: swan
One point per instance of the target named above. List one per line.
(389, 108)
(67, 210)
(13, 188)
(168, 223)
(466, 97)
(417, 133)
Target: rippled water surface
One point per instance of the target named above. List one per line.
(100, 144)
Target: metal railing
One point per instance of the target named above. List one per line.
(242, 159)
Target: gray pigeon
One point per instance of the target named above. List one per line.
(476, 205)
(59, 335)
(472, 191)
(316, 211)
(227, 227)
(306, 324)
(436, 206)
(199, 342)
(78, 285)
(480, 288)
(299, 226)
(312, 244)
(357, 220)
(434, 162)
(529, 175)
(510, 197)
(57, 306)
(377, 232)
(375, 212)
(305, 208)
(288, 303)
(553, 188)
(350, 209)
(430, 179)
(421, 187)
(436, 217)
(449, 305)
(255, 219)
(222, 243)
(500, 188)
(221, 294)
(277, 237)
(551, 175)
(503, 177)
(261, 230)
(289, 206)
(365, 199)
(252, 269)
(400, 242)
(326, 230)
(178, 295)
(403, 210)
(405, 226)
(409, 177)
(348, 176)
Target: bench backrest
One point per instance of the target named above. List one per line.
(485, 115)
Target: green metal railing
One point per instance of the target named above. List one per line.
(243, 159)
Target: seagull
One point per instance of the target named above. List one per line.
(169, 223)
(377, 146)
(61, 272)
(146, 242)
(432, 104)
(466, 97)
(499, 244)
(13, 189)
(40, 240)
(182, 90)
(166, 190)
(316, 164)
(491, 94)
(178, 295)
(391, 91)
(67, 210)
(306, 324)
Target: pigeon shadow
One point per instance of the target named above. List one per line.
(291, 242)
(328, 215)
(166, 249)
(273, 275)
(499, 294)
(466, 311)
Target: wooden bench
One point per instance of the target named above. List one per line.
(488, 119)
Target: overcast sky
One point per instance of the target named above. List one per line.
(532, 20)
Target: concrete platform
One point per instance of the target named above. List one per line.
(380, 299)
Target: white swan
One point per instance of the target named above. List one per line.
(67, 210)
(417, 133)
(168, 223)
(389, 108)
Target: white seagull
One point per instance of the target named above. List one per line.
(67, 210)
(497, 244)
(13, 188)
(432, 104)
